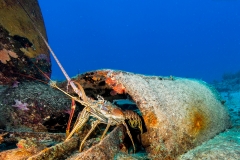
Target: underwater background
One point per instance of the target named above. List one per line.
(168, 117)
(193, 39)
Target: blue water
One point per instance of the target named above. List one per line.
(187, 38)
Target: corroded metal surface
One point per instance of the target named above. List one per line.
(21, 48)
(178, 113)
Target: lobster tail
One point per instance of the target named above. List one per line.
(134, 119)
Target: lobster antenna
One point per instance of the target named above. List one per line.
(53, 54)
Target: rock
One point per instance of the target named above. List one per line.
(224, 146)
(45, 109)
(125, 156)
(104, 150)
(22, 51)
(232, 101)
(15, 154)
(36, 148)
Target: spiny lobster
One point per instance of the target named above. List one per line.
(104, 111)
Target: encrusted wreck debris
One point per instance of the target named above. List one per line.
(178, 114)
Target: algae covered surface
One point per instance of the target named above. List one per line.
(15, 20)
(22, 51)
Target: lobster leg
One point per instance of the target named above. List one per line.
(130, 136)
(84, 115)
(94, 125)
(70, 117)
(106, 129)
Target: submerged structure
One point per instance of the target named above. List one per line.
(178, 113)
(21, 48)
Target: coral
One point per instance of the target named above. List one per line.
(111, 81)
(5, 55)
(20, 105)
(118, 88)
(13, 54)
